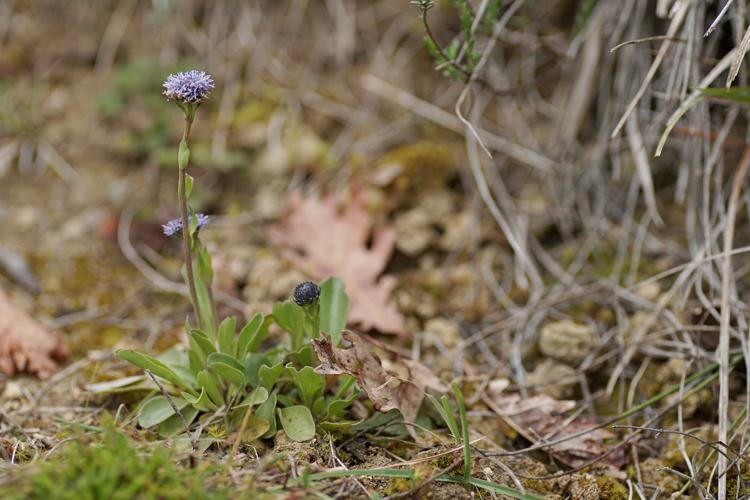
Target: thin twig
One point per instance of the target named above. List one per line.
(193, 439)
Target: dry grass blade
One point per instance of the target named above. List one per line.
(741, 51)
(724, 334)
(673, 27)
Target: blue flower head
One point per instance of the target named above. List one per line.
(174, 226)
(189, 87)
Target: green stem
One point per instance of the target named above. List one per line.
(182, 196)
(464, 431)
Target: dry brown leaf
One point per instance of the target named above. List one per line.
(25, 345)
(542, 418)
(403, 392)
(323, 239)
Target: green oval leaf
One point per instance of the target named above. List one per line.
(175, 425)
(297, 422)
(157, 410)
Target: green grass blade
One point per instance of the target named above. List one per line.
(464, 430)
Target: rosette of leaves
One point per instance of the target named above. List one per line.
(223, 373)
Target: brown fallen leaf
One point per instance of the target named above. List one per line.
(403, 392)
(323, 239)
(25, 345)
(542, 418)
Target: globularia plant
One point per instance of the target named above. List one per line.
(222, 376)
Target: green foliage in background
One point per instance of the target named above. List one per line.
(459, 57)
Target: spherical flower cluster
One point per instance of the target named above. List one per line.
(174, 226)
(189, 87)
(306, 293)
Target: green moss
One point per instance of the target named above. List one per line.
(423, 165)
(112, 469)
(399, 485)
(611, 488)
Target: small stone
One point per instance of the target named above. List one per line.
(654, 473)
(12, 391)
(554, 379)
(414, 232)
(443, 330)
(583, 487)
(649, 291)
(566, 341)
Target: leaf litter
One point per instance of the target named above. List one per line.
(542, 418)
(327, 237)
(26, 345)
(402, 389)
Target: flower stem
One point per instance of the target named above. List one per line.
(182, 196)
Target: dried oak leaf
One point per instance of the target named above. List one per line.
(542, 418)
(25, 345)
(323, 239)
(403, 392)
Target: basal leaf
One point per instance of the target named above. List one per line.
(291, 318)
(253, 362)
(267, 411)
(256, 427)
(202, 341)
(227, 328)
(336, 408)
(257, 397)
(202, 402)
(175, 425)
(228, 373)
(346, 426)
(297, 422)
(270, 374)
(227, 359)
(304, 356)
(157, 409)
(334, 308)
(153, 365)
(249, 337)
(308, 383)
(210, 384)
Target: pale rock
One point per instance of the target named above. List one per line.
(443, 330)
(555, 379)
(566, 341)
